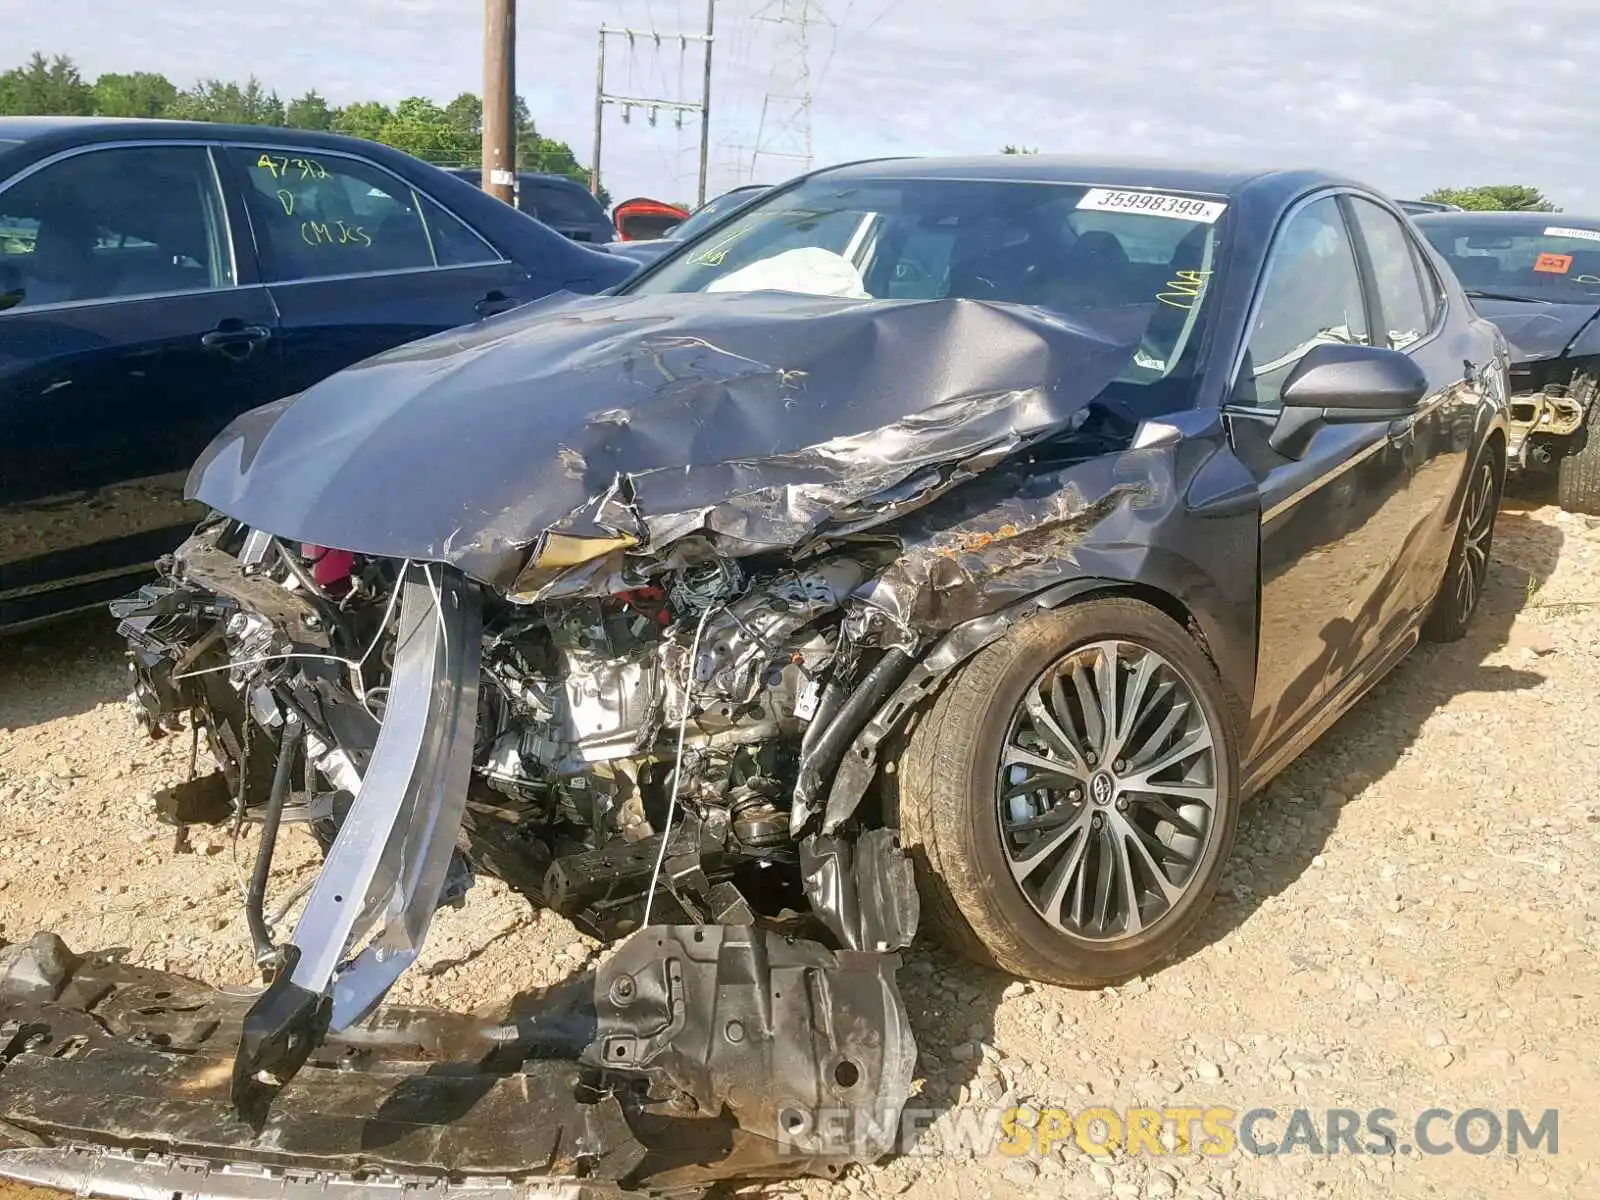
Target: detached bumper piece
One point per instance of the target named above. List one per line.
(693, 1056)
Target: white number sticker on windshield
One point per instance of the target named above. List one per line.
(1588, 235)
(1155, 204)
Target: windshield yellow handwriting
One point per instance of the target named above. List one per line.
(1185, 290)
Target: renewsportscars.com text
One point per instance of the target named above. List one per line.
(1214, 1131)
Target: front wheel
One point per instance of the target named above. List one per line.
(1070, 796)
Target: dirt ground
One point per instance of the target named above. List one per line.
(1409, 921)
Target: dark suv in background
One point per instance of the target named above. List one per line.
(561, 203)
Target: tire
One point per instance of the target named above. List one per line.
(945, 794)
(1464, 575)
(1578, 472)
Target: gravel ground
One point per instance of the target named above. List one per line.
(1410, 920)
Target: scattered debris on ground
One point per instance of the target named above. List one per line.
(1410, 920)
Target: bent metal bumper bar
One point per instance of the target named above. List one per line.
(692, 1055)
(388, 865)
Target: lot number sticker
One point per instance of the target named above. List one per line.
(1588, 235)
(1155, 204)
(1553, 264)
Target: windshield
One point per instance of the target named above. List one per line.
(712, 210)
(1552, 260)
(1072, 249)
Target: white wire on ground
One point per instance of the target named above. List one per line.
(677, 770)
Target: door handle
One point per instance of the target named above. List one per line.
(233, 334)
(495, 302)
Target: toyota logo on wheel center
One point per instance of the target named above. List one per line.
(1101, 788)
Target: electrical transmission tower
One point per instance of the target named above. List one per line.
(784, 131)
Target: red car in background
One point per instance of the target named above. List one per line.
(642, 218)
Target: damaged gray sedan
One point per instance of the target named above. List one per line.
(964, 537)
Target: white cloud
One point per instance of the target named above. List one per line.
(1406, 95)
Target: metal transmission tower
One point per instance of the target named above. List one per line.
(785, 128)
(655, 105)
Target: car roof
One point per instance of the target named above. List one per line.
(51, 132)
(1208, 179)
(1510, 220)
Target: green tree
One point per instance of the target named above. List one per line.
(421, 128)
(310, 111)
(1019, 150)
(228, 103)
(465, 117)
(138, 94)
(365, 119)
(1513, 197)
(45, 87)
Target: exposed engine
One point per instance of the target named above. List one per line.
(685, 701)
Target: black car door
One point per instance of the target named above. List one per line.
(1334, 521)
(129, 338)
(1441, 432)
(358, 260)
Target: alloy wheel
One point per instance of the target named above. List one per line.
(1477, 528)
(1108, 795)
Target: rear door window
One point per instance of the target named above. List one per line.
(113, 224)
(319, 216)
(1407, 310)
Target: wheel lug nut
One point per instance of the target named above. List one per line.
(1120, 765)
(1098, 821)
(1122, 804)
(1091, 758)
(1074, 794)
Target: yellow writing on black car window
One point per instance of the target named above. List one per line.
(715, 254)
(281, 166)
(1185, 290)
(286, 198)
(334, 233)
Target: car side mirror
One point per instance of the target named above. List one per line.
(1341, 384)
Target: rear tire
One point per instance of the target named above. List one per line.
(1468, 569)
(1578, 471)
(971, 823)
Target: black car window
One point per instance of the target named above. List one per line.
(554, 204)
(1406, 310)
(114, 224)
(1312, 295)
(1129, 258)
(454, 242)
(321, 215)
(1432, 294)
(1543, 258)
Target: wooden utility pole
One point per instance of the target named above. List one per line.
(500, 99)
(705, 101)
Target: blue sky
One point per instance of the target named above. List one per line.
(1404, 94)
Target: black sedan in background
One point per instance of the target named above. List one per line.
(1537, 276)
(159, 278)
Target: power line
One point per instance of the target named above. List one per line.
(654, 106)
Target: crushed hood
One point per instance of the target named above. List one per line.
(1537, 331)
(756, 420)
